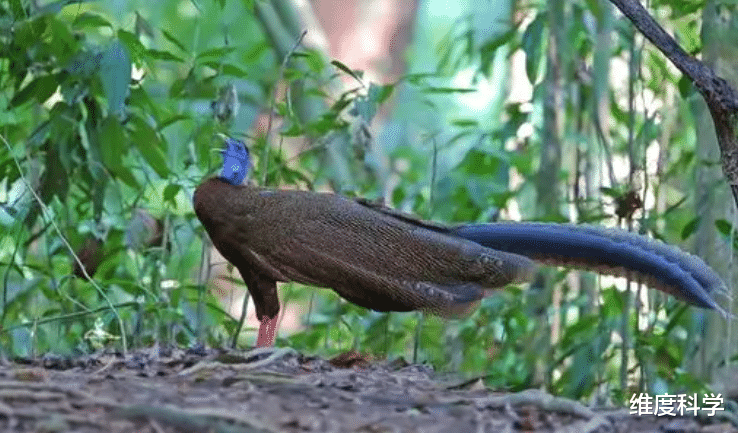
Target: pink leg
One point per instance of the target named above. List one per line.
(267, 332)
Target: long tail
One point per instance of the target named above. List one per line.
(606, 251)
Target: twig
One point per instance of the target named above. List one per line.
(6, 278)
(273, 355)
(45, 211)
(37, 322)
(242, 319)
(195, 419)
(273, 101)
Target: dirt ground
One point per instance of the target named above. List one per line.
(279, 390)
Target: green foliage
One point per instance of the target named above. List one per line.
(109, 115)
(91, 139)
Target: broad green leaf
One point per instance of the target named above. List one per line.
(724, 227)
(40, 89)
(115, 74)
(533, 47)
(19, 12)
(176, 118)
(170, 192)
(150, 145)
(89, 19)
(479, 163)
(65, 44)
(113, 148)
(204, 145)
(136, 49)
(112, 144)
(690, 227)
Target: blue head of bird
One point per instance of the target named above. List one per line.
(235, 162)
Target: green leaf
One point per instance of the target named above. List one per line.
(176, 118)
(724, 227)
(346, 70)
(690, 227)
(448, 90)
(229, 69)
(255, 51)
(52, 8)
(465, 123)
(170, 192)
(64, 43)
(163, 55)
(313, 59)
(215, 52)
(533, 47)
(488, 50)
(111, 143)
(379, 94)
(204, 143)
(686, 87)
(115, 74)
(150, 145)
(19, 12)
(226, 68)
(40, 89)
(479, 163)
(168, 36)
(89, 19)
(135, 48)
(113, 148)
(419, 78)
(610, 192)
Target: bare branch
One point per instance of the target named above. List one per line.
(720, 97)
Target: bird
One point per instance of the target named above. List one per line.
(387, 260)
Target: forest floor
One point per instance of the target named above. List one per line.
(279, 390)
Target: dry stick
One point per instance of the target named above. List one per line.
(273, 101)
(46, 213)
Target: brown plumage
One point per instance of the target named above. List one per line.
(373, 259)
(90, 254)
(388, 261)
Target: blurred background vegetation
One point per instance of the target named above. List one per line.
(468, 111)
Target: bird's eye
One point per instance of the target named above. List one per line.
(234, 167)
